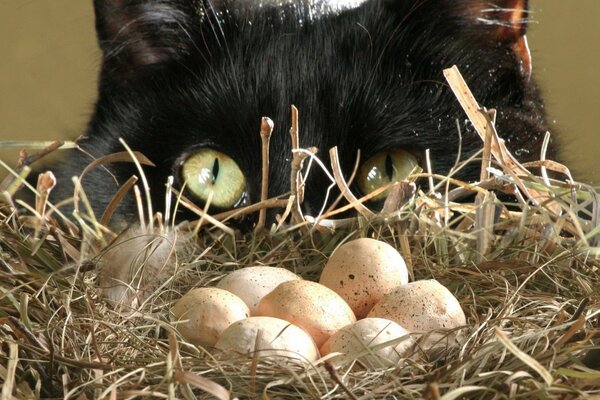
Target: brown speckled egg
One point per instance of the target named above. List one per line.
(421, 306)
(251, 284)
(315, 308)
(270, 336)
(359, 339)
(363, 271)
(208, 312)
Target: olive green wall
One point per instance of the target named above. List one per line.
(49, 61)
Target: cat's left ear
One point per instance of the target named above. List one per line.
(137, 33)
(505, 22)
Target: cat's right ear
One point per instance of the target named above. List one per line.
(135, 34)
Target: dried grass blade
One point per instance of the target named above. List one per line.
(579, 323)
(11, 368)
(350, 180)
(202, 383)
(341, 182)
(461, 393)
(551, 165)
(525, 358)
(483, 124)
(202, 214)
(12, 183)
(484, 222)
(116, 200)
(270, 203)
(121, 156)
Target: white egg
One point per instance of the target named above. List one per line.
(364, 341)
(206, 312)
(270, 337)
(251, 284)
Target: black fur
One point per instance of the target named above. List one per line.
(178, 75)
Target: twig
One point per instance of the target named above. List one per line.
(26, 160)
(46, 182)
(266, 129)
(296, 189)
(400, 193)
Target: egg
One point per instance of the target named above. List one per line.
(271, 336)
(421, 306)
(362, 271)
(251, 284)
(315, 308)
(206, 312)
(361, 339)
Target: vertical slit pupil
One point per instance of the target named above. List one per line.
(215, 170)
(389, 166)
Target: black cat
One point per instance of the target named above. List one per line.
(186, 82)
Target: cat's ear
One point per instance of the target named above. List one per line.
(502, 21)
(137, 33)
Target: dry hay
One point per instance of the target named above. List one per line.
(528, 279)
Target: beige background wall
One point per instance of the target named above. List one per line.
(49, 59)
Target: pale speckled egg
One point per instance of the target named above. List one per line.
(270, 336)
(208, 311)
(362, 271)
(421, 306)
(313, 307)
(251, 284)
(361, 338)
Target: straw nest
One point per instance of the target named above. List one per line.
(527, 278)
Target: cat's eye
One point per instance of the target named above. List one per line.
(387, 166)
(209, 170)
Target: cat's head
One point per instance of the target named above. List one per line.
(187, 82)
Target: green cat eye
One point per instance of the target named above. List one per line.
(209, 170)
(387, 166)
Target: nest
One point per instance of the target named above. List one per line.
(527, 278)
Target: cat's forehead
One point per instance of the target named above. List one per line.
(253, 4)
(249, 10)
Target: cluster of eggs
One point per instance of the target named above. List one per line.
(362, 300)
